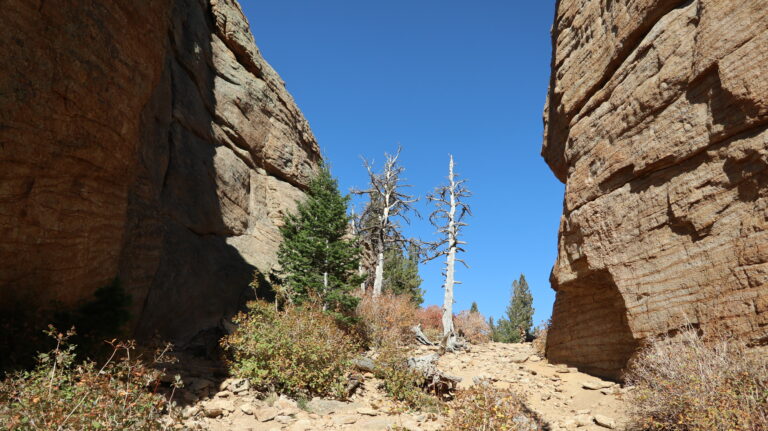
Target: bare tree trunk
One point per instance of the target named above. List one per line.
(360, 272)
(325, 290)
(450, 262)
(378, 281)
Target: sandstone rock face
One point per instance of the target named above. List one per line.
(145, 141)
(657, 121)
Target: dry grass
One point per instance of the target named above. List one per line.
(485, 408)
(687, 384)
(473, 327)
(387, 320)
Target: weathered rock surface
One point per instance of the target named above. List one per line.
(657, 121)
(145, 141)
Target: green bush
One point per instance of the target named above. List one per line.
(687, 384)
(400, 382)
(300, 351)
(483, 407)
(61, 394)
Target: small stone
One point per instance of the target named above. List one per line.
(266, 414)
(595, 385)
(190, 411)
(546, 396)
(367, 411)
(223, 394)
(301, 425)
(519, 357)
(344, 420)
(224, 385)
(283, 419)
(213, 411)
(247, 409)
(605, 421)
(290, 411)
(583, 420)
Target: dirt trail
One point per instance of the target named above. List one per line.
(563, 397)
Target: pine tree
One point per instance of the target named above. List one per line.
(401, 273)
(520, 310)
(319, 262)
(473, 308)
(519, 315)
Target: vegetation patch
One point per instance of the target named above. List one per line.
(62, 394)
(387, 320)
(483, 407)
(300, 351)
(687, 384)
(400, 382)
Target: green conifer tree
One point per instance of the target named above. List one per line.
(401, 273)
(520, 310)
(473, 308)
(319, 261)
(519, 315)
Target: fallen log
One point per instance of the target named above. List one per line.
(434, 380)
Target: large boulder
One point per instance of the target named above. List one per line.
(148, 142)
(657, 121)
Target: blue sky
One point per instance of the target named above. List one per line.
(437, 77)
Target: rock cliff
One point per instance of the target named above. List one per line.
(657, 121)
(144, 141)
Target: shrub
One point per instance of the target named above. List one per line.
(400, 382)
(61, 394)
(472, 326)
(483, 407)
(300, 351)
(687, 384)
(387, 320)
(431, 318)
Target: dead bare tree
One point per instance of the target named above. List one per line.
(355, 224)
(387, 205)
(448, 219)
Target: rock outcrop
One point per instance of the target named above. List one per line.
(144, 141)
(657, 121)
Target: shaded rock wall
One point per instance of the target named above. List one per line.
(147, 141)
(657, 121)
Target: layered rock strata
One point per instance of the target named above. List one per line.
(657, 121)
(144, 141)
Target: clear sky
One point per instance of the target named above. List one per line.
(437, 77)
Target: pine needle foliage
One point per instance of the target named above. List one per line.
(401, 273)
(318, 258)
(519, 316)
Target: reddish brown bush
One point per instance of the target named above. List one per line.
(388, 319)
(431, 318)
(472, 326)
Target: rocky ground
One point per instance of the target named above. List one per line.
(563, 397)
